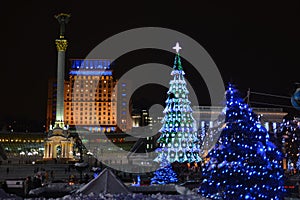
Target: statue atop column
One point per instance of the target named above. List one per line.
(62, 19)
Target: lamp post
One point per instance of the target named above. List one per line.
(80, 167)
(89, 154)
(22, 154)
(29, 154)
(78, 155)
(35, 154)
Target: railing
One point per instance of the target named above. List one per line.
(207, 108)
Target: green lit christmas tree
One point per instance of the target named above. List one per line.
(178, 140)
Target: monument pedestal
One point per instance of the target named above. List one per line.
(58, 146)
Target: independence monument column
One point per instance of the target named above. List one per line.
(61, 45)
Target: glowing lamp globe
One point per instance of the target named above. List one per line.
(295, 99)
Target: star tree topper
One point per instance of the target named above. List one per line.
(177, 47)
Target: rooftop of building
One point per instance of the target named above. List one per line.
(90, 67)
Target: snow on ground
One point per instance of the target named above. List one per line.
(132, 196)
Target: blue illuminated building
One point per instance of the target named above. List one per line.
(90, 67)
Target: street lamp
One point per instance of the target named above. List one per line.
(78, 155)
(80, 167)
(29, 154)
(35, 155)
(22, 154)
(89, 154)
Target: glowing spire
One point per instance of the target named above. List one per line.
(177, 47)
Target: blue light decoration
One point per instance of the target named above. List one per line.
(298, 163)
(164, 174)
(178, 139)
(295, 99)
(90, 73)
(138, 182)
(90, 64)
(243, 164)
(90, 67)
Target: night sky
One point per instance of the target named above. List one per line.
(254, 45)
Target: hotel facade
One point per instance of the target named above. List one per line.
(91, 96)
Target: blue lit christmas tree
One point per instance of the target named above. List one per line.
(165, 173)
(244, 164)
(178, 140)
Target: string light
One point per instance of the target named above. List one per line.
(178, 122)
(252, 161)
